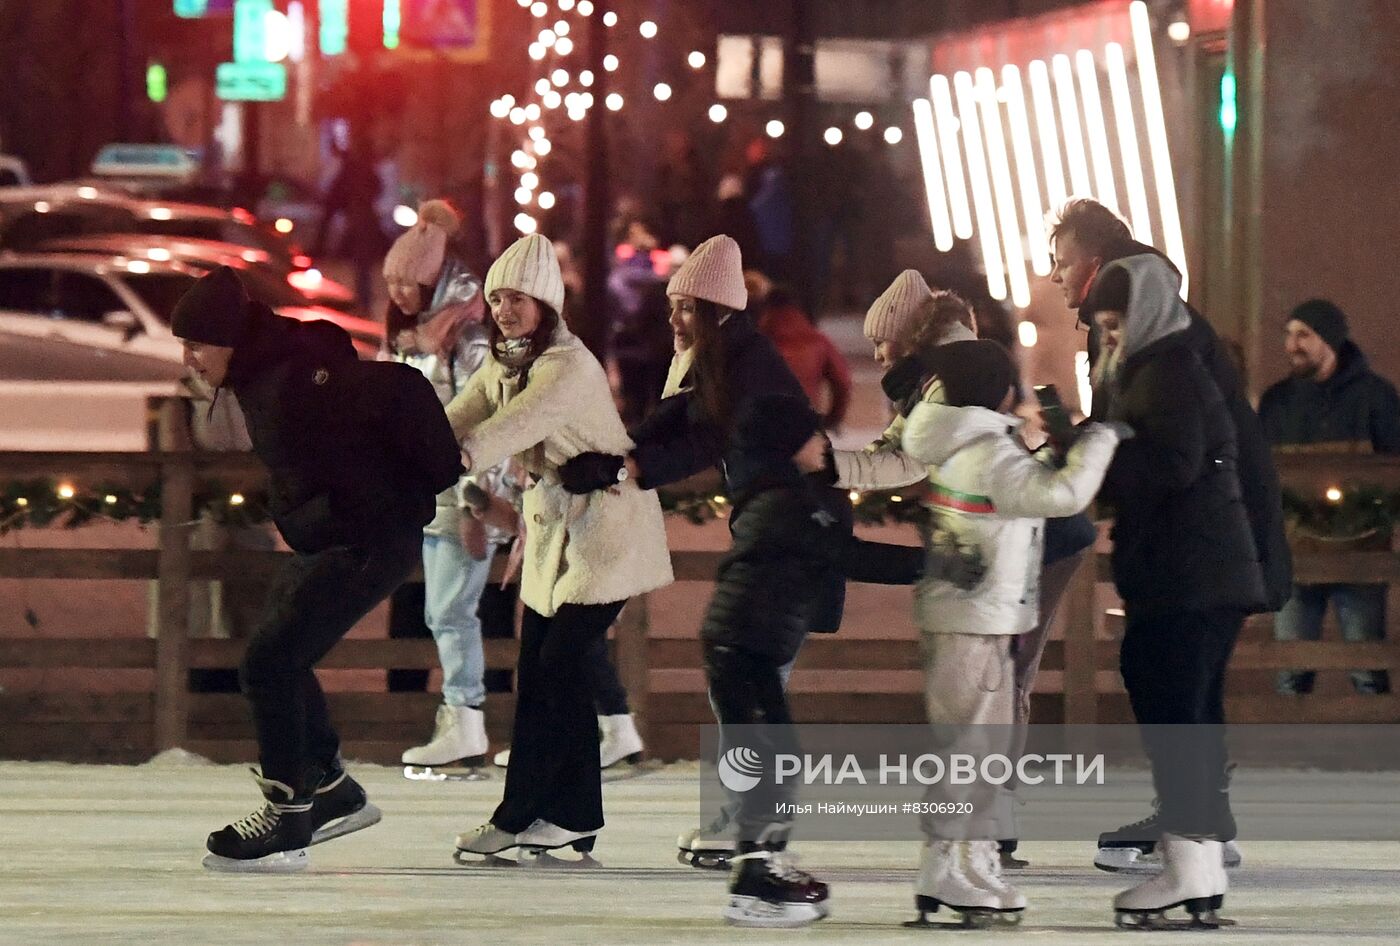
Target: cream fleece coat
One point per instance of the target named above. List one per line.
(601, 547)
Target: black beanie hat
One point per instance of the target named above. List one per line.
(975, 373)
(1324, 318)
(776, 423)
(214, 311)
(1108, 293)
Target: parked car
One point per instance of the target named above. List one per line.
(84, 340)
(265, 280)
(30, 216)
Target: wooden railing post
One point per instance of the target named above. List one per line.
(633, 666)
(173, 575)
(1081, 651)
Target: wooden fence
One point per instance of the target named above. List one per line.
(1079, 681)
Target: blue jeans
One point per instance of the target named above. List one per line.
(452, 586)
(1361, 615)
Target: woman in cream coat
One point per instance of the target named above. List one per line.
(543, 398)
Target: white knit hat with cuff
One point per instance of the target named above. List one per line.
(891, 317)
(715, 273)
(529, 265)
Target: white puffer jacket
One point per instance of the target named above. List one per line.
(601, 547)
(990, 492)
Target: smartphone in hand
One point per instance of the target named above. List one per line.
(1059, 428)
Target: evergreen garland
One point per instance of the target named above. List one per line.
(1343, 513)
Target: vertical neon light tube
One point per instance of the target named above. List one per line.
(1049, 137)
(1157, 138)
(981, 190)
(1069, 122)
(1127, 142)
(1005, 194)
(1094, 124)
(952, 161)
(1033, 210)
(933, 176)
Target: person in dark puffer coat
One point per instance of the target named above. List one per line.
(356, 454)
(1183, 560)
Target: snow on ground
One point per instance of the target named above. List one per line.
(111, 855)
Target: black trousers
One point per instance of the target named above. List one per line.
(316, 600)
(1173, 667)
(554, 770)
(746, 689)
(609, 695)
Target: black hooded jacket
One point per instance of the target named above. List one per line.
(1259, 482)
(355, 450)
(1354, 410)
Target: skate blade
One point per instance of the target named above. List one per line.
(1202, 917)
(366, 817)
(445, 773)
(759, 913)
(542, 859)
(1127, 860)
(283, 862)
(705, 860)
(473, 859)
(968, 918)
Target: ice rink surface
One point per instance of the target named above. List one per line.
(109, 855)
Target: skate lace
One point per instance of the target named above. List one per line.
(784, 866)
(263, 821)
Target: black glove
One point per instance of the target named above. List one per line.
(589, 472)
(959, 564)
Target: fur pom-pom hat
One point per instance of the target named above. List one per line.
(417, 255)
(529, 265)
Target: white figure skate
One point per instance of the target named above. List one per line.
(1193, 877)
(457, 750)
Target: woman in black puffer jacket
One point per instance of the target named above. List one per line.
(1184, 561)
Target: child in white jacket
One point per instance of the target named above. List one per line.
(987, 491)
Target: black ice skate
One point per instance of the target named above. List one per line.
(339, 807)
(767, 890)
(1132, 849)
(273, 839)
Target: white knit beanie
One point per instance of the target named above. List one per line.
(714, 272)
(417, 255)
(529, 265)
(891, 317)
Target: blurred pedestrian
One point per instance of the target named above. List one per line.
(1332, 402)
(815, 360)
(639, 339)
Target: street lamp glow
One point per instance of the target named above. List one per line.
(538, 9)
(525, 223)
(941, 98)
(517, 116)
(662, 91)
(610, 62)
(536, 132)
(523, 196)
(718, 113)
(541, 86)
(610, 18)
(547, 38)
(545, 200)
(561, 28)
(696, 59)
(564, 46)
(559, 77)
(926, 137)
(500, 108)
(647, 29)
(405, 216)
(864, 121)
(585, 78)
(529, 180)
(551, 99)
(1179, 31)
(833, 136)
(894, 135)
(532, 112)
(524, 4)
(585, 7)
(519, 158)
(536, 51)
(543, 147)
(614, 102)
(1027, 334)
(1107, 192)
(775, 128)
(567, 5)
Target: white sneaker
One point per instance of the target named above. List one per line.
(486, 839)
(546, 836)
(620, 740)
(1193, 874)
(943, 880)
(983, 868)
(459, 735)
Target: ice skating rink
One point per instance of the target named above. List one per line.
(110, 855)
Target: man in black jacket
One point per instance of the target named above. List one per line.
(356, 453)
(1332, 402)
